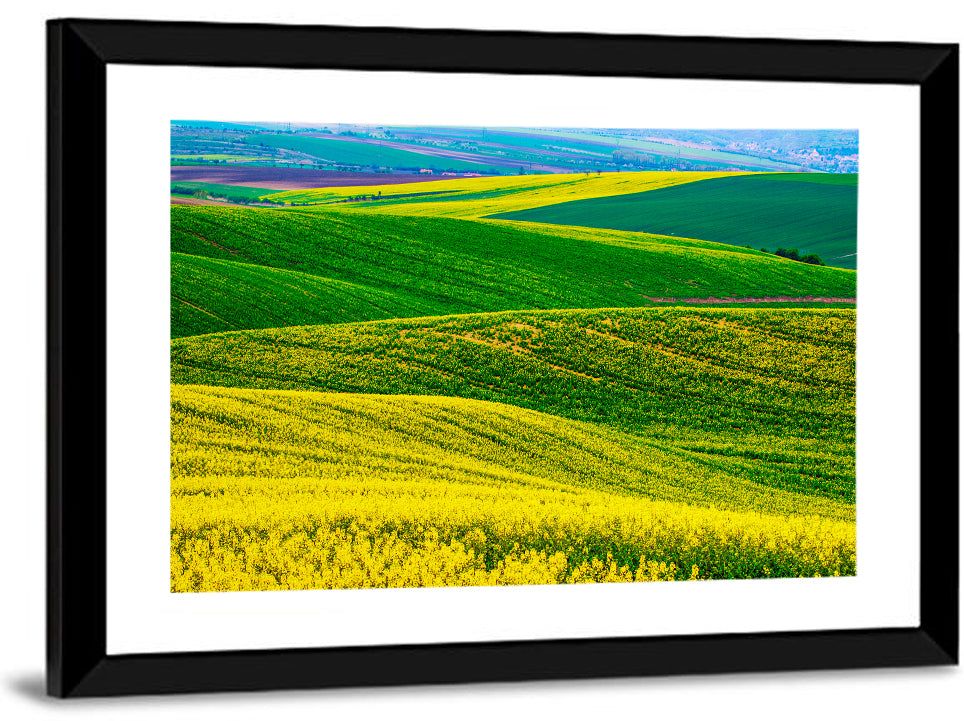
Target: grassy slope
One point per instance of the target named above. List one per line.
(783, 372)
(314, 490)
(812, 212)
(767, 394)
(209, 296)
(439, 266)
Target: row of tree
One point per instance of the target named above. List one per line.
(794, 254)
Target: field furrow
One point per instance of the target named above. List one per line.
(435, 266)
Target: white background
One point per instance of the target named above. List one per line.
(880, 694)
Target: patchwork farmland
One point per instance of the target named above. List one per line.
(813, 212)
(512, 380)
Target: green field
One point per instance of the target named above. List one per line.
(239, 192)
(369, 266)
(209, 295)
(786, 372)
(347, 152)
(815, 213)
(405, 393)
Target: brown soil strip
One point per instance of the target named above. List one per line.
(288, 178)
(202, 310)
(768, 299)
(208, 241)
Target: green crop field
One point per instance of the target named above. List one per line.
(237, 192)
(432, 266)
(209, 295)
(815, 213)
(405, 392)
(357, 153)
(637, 369)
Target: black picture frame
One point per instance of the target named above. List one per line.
(79, 52)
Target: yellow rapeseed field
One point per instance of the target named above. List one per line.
(298, 490)
(477, 197)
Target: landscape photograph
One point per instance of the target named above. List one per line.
(419, 356)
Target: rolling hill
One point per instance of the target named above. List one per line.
(400, 266)
(813, 212)
(291, 490)
(400, 392)
(767, 392)
(210, 295)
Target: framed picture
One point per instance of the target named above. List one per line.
(390, 356)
